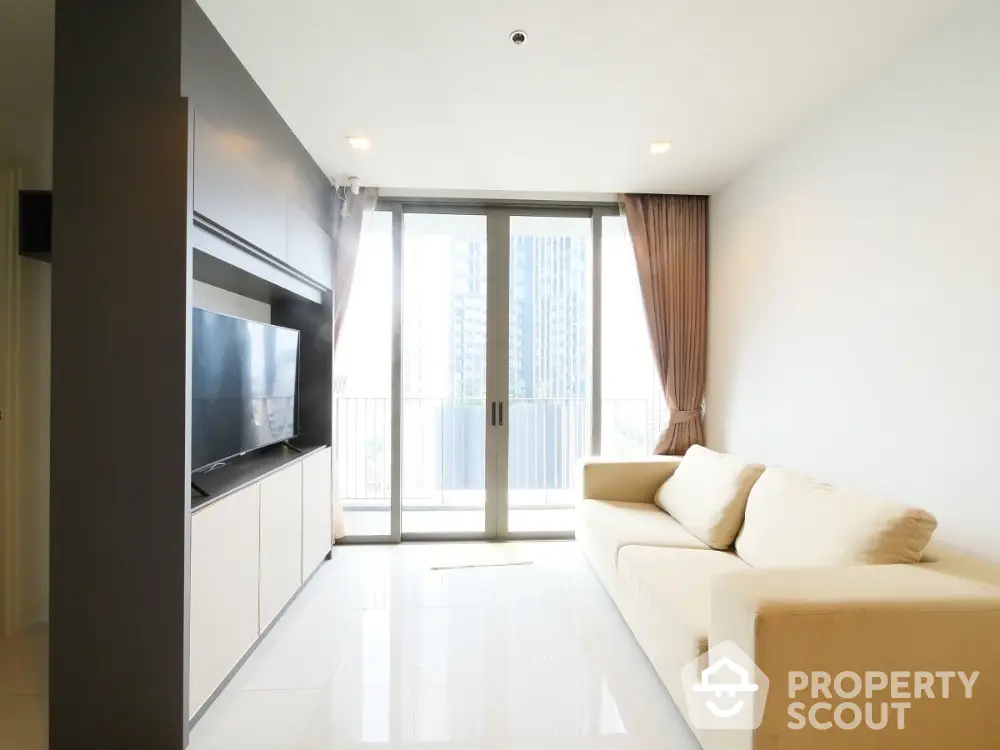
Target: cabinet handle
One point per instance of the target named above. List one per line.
(493, 419)
(501, 413)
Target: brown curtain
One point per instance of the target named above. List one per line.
(670, 239)
(347, 235)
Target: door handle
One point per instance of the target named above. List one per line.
(501, 413)
(493, 419)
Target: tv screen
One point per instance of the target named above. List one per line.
(243, 386)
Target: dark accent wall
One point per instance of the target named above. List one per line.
(315, 365)
(256, 181)
(120, 379)
(221, 89)
(132, 79)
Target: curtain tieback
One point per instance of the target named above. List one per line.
(684, 416)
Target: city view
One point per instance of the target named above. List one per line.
(444, 363)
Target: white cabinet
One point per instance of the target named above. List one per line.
(280, 540)
(250, 552)
(224, 598)
(317, 509)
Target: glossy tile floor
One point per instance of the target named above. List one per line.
(384, 650)
(23, 703)
(396, 647)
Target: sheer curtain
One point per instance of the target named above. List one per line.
(347, 228)
(347, 239)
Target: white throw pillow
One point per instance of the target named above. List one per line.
(707, 494)
(793, 521)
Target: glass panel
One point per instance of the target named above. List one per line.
(633, 408)
(444, 373)
(549, 369)
(362, 386)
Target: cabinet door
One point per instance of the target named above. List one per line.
(280, 540)
(310, 249)
(234, 192)
(317, 522)
(224, 577)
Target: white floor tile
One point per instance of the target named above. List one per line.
(307, 644)
(256, 720)
(24, 663)
(383, 649)
(527, 656)
(22, 722)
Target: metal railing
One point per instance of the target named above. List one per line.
(443, 443)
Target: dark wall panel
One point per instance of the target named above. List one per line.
(120, 378)
(221, 90)
(234, 193)
(254, 178)
(124, 141)
(315, 365)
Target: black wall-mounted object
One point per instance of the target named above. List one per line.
(243, 386)
(34, 208)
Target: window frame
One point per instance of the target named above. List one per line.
(596, 211)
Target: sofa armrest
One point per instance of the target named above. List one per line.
(629, 481)
(865, 619)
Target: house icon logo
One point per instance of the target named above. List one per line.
(724, 689)
(709, 684)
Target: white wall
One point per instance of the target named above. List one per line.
(223, 301)
(25, 367)
(854, 304)
(33, 429)
(27, 30)
(27, 35)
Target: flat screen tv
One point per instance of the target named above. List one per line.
(243, 386)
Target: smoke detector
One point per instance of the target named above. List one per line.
(518, 37)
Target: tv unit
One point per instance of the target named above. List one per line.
(244, 382)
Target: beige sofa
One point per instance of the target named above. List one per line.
(807, 605)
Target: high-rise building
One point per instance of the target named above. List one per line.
(548, 375)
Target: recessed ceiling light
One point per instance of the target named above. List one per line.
(358, 142)
(659, 147)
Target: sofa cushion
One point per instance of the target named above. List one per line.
(606, 526)
(708, 494)
(672, 589)
(794, 521)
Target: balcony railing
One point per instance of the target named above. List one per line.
(443, 443)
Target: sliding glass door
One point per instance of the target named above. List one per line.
(549, 365)
(471, 388)
(443, 372)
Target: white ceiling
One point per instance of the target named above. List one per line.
(450, 103)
